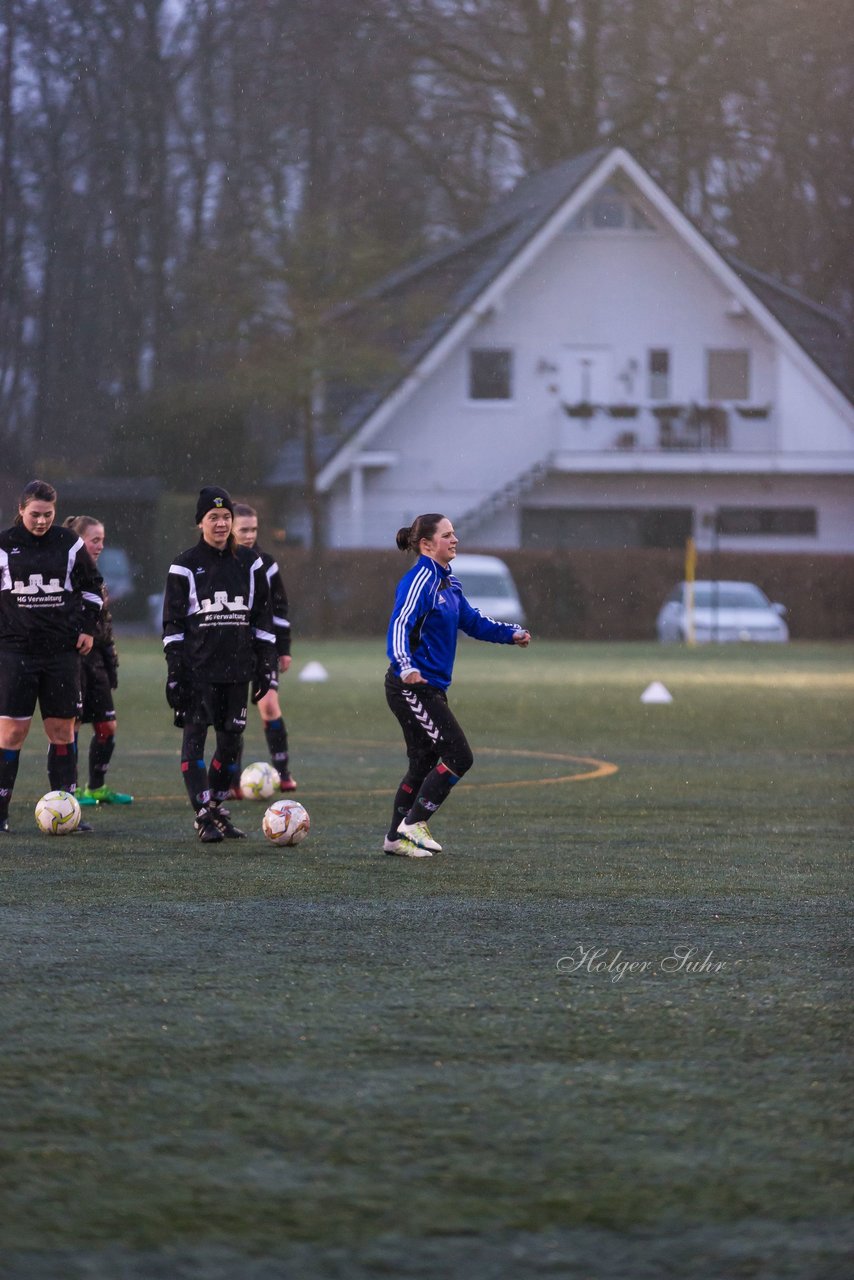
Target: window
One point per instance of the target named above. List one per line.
(611, 210)
(608, 213)
(606, 527)
(659, 374)
(771, 521)
(491, 374)
(728, 375)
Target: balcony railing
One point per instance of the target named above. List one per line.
(668, 428)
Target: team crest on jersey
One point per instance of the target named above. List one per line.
(36, 593)
(222, 611)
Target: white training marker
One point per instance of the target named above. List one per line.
(314, 672)
(656, 692)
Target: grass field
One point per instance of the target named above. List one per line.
(603, 1035)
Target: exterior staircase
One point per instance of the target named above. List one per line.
(502, 498)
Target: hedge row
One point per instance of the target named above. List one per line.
(575, 595)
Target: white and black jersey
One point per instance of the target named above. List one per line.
(278, 601)
(216, 610)
(50, 591)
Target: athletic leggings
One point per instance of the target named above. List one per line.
(430, 730)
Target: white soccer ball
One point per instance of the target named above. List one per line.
(58, 813)
(286, 822)
(259, 781)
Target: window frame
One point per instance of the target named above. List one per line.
(716, 398)
(653, 397)
(803, 521)
(510, 355)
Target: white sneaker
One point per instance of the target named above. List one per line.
(418, 833)
(405, 849)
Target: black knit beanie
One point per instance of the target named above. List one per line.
(213, 497)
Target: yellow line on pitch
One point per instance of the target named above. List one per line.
(598, 769)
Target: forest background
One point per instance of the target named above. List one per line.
(188, 186)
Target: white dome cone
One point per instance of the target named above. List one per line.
(656, 692)
(313, 672)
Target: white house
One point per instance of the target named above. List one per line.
(586, 370)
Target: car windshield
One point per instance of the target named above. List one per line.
(728, 596)
(484, 584)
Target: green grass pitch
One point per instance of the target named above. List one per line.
(602, 1035)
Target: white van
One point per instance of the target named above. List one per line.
(488, 585)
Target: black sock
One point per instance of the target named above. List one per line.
(277, 744)
(221, 778)
(9, 760)
(62, 766)
(223, 773)
(195, 777)
(100, 754)
(434, 790)
(402, 805)
(193, 769)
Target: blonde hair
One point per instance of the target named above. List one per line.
(79, 524)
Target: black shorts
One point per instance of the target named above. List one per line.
(221, 705)
(430, 729)
(49, 681)
(97, 696)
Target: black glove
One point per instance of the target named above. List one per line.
(177, 684)
(176, 694)
(265, 679)
(178, 697)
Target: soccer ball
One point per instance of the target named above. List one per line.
(286, 822)
(58, 813)
(259, 781)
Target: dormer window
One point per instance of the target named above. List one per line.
(611, 210)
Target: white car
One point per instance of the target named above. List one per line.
(488, 585)
(722, 612)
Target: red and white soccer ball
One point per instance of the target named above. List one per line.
(58, 813)
(286, 822)
(259, 781)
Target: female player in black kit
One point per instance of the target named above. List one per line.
(217, 637)
(50, 602)
(275, 731)
(99, 676)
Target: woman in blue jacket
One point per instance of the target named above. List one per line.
(429, 610)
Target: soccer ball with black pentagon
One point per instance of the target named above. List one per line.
(58, 813)
(259, 781)
(286, 822)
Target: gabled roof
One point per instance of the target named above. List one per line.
(818, 329)
(412, 311)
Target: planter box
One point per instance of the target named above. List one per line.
(583, 409)
(753, 410)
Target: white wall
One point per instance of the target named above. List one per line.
(810, 422)
(624, 291)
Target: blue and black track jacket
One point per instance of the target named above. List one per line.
(429, 610)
